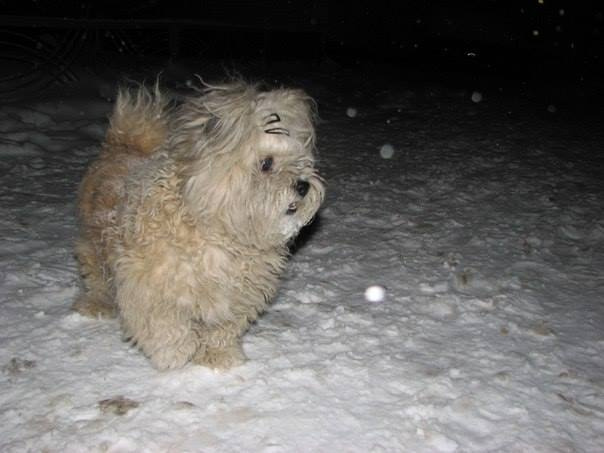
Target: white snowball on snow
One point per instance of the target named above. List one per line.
(375, 293)
(351, 112)
(387, 151)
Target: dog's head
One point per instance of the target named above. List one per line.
(247, 160)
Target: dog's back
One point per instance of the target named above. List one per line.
(138, 126)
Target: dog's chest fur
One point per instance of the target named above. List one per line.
(204, 271)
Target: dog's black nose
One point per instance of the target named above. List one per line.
(302, 187)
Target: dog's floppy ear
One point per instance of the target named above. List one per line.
(209, 137)
(218, 121)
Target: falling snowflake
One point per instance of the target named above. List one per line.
(387, 151)
(476, 97)
(375, 293)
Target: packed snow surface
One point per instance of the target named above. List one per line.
(485, 228)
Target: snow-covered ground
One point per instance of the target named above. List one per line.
(483, 221)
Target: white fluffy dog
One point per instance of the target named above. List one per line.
(187, 213)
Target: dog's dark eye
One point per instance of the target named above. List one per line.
(266, 164)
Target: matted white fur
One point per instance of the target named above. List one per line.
(186, 215)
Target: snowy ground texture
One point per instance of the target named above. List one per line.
(485, 226)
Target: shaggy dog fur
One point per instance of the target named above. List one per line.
(186, 215)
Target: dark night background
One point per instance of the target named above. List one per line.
(531, 48)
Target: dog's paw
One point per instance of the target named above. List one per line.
(168, 358)
(220, 359)
(94, 307)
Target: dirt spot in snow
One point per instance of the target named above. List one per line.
(542, 328)
(118, 405)
(184, 405)
(16, 366)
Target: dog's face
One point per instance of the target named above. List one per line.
(249, 165)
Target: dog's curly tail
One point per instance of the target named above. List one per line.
(139, 122)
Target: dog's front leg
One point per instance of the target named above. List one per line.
(151, 317)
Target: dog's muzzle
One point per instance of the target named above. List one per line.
(301, 187)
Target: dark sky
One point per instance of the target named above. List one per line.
(378, 28)
(538, 39)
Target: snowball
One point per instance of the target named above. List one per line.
(387, 151)
(351, 112)
(375, 293)
(476, 96)
(552, 108)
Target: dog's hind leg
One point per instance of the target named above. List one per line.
(95, 299)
